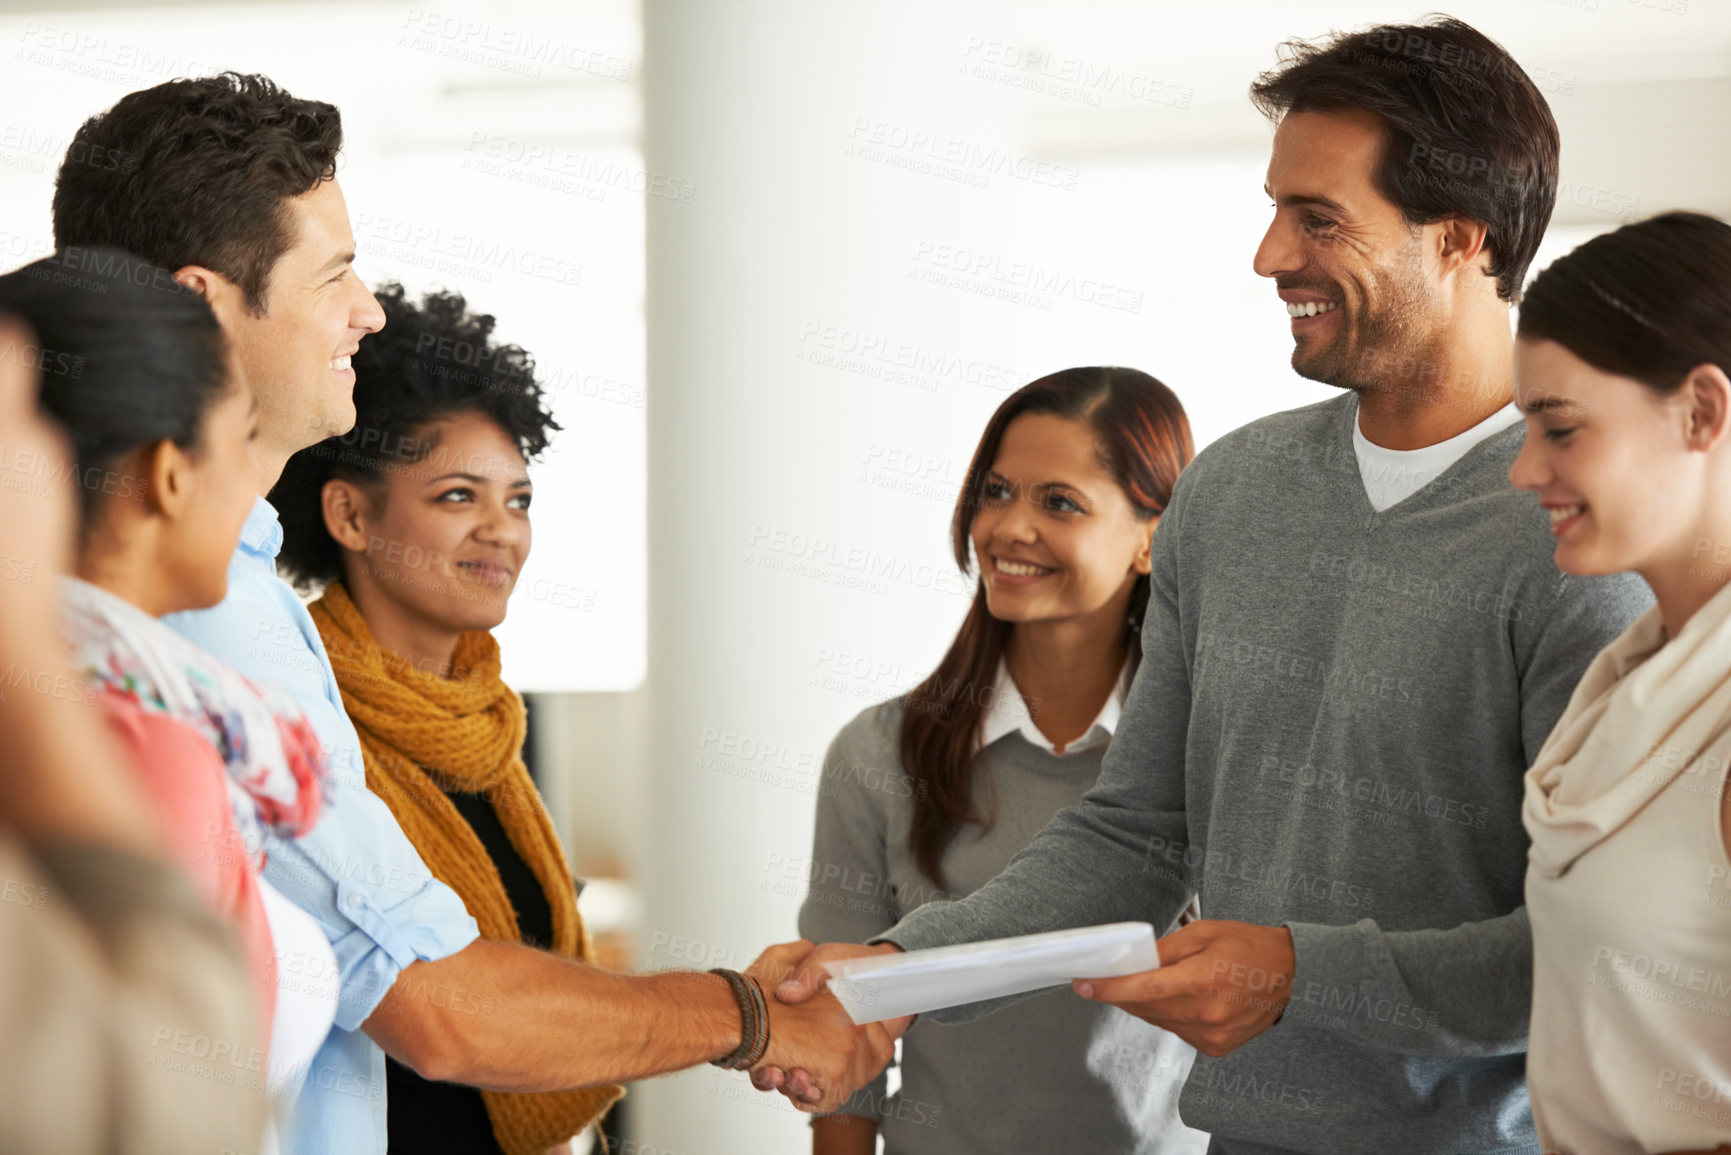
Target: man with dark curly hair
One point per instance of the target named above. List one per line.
(231, 182)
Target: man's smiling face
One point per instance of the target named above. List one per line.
(316, 310)
(1350, 268)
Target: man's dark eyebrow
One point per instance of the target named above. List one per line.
(336, 263)
(1317, 199)
(520, 483)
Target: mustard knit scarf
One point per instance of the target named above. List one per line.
(421, 735)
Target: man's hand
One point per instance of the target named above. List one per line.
(808, 975)
(794, 971)
(778, 963)
(1220, 984)
(819, 1040)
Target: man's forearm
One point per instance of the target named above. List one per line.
(1091, 864)
(1467, 990)
(507, 1018)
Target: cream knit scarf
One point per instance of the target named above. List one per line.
(1647, 710)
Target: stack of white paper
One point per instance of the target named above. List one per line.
(889, 986)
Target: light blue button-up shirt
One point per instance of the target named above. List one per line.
(354, 872)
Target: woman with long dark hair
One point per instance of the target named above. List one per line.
(931, 794)
(1621, 365)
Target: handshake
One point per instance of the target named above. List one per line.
(1219, 985)
(817, 1056)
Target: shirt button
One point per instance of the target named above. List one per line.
(357, 902)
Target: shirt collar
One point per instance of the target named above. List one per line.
(1008, 714)
(261, 536)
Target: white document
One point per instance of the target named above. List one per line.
(889, 986)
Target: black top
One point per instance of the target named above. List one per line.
(448, 1118)
(534, 915)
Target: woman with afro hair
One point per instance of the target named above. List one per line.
(415, 526)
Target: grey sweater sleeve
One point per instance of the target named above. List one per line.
(1467, 990)
(1110, 857)
(847, 899)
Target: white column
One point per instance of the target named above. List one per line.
(791, 121)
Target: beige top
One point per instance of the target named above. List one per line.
(127, 1018)
(1629, 893)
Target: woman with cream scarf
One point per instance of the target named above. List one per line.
(1621, 370)
(417, 526)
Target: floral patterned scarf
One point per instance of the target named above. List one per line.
(276, 764)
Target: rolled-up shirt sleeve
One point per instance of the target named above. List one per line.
(362, 880)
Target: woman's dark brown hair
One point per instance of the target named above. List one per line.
(1651, 300)
(1143, 438)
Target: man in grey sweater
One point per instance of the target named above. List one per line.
(1357, 642)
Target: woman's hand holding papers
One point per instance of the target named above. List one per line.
(1219, 985)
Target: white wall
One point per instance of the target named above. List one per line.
(488, 148)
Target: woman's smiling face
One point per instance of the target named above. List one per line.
(448, 535)
(1609, 459)
(1054, 535)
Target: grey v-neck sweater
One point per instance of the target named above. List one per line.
(1328, 732)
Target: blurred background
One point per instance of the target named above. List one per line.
(778, 261)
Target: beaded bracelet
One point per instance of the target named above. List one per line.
(754, 1021)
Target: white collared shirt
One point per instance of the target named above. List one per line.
(1009, 714)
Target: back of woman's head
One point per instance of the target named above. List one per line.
(1649, 301)
(128, 358)
(434, 359)
(1142, 438)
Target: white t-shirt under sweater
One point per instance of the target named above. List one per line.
(1392, 475)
